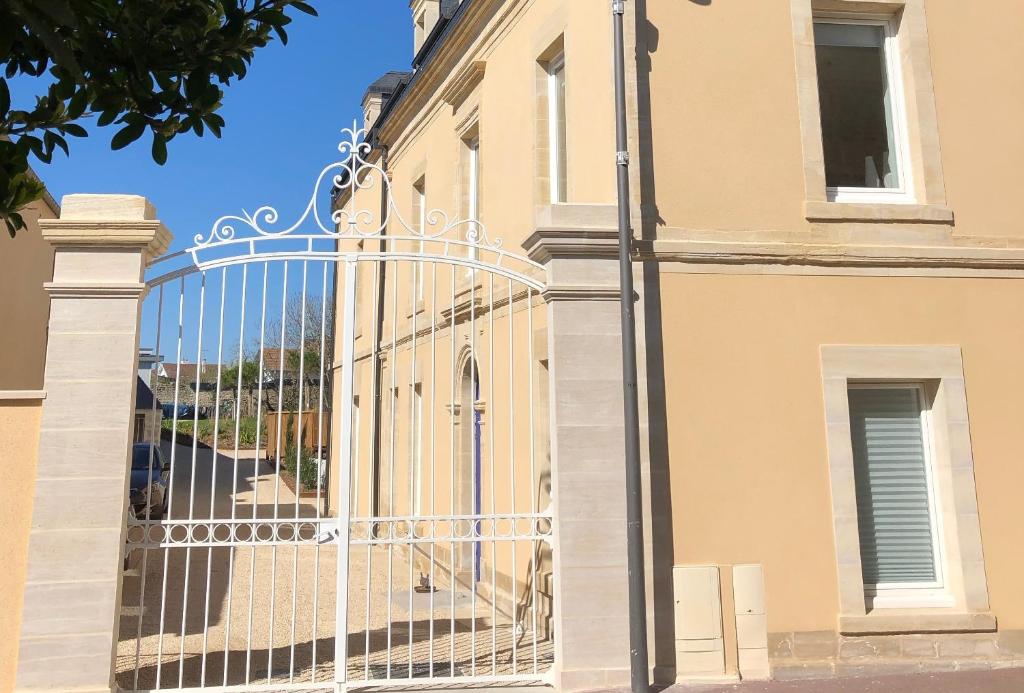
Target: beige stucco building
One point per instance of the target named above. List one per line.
(27, 262)
(826, 242)
(826, 262)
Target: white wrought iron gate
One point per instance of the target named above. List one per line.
(353, 483)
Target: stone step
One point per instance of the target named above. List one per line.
(827, 669)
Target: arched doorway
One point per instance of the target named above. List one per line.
(469, 482)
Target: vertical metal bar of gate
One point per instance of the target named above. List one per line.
(344, 476)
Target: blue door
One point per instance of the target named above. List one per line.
(477, 484)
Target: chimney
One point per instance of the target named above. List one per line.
(379, 93)
(373, 102)
(425, 14)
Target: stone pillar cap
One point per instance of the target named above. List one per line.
(107, 207)
(107, 220)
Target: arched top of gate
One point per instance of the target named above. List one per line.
(356, 215)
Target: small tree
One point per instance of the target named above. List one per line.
(313, 328)
(250, 381)
(144, 65)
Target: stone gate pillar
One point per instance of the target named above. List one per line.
(579, 246)
(72, 592)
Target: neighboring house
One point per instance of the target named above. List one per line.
(189, 377)
(280, 381)
(148, 415)
(26, 264)
(827, 264)
(148, 361)
(194, 375)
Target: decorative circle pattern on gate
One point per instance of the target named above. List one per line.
(351, 485)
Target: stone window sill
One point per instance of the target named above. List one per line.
(877, 212)
(893, 621)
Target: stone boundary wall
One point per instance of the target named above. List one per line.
(826, 654)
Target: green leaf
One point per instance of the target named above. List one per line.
(75, 130)
(53, 140)
(36, 146)
(78, 103)
(44, 31)
(106, 118)
(14, 223)
(127, 135)
(159, 148)
(303, 7)
(5, 97)
(59, 10)
(214, 128)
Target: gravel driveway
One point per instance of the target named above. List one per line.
(231, 616)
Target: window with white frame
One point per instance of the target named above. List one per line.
(356, 462)
(557, 153)
(863, 121)
(419, 196)
(900, 546)
(417, 447)
(472, 146)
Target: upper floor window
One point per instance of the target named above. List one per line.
(419, 204)
(471, 188)
(557, 163)
(863, 122)
(425, 16)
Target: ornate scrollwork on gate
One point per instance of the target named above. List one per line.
(354, 216)
(347, 178)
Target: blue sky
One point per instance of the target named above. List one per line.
(283, 123)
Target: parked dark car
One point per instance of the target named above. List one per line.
(185, 411)
(148, 488)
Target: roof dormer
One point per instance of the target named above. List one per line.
(425, 14)
(378, 94)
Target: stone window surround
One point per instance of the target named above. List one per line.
(925, 157)
(419, 216)
(554, 48)
(940, 368)
(470, 129)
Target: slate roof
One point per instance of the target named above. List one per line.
(388, 83)
(187, 372)
(448, 8)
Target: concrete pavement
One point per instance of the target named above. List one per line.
(998, 681)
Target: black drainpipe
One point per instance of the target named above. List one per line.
(378, 331)
(639, 680)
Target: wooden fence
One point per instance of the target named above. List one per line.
(311, 422)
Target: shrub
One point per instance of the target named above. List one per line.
(225, 432)
(305, 462)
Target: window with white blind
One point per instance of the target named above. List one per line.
(899, 534)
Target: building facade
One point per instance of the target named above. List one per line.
(827, 256)
(825, 259)
(27, 262)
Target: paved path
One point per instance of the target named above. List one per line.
(999, 681)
